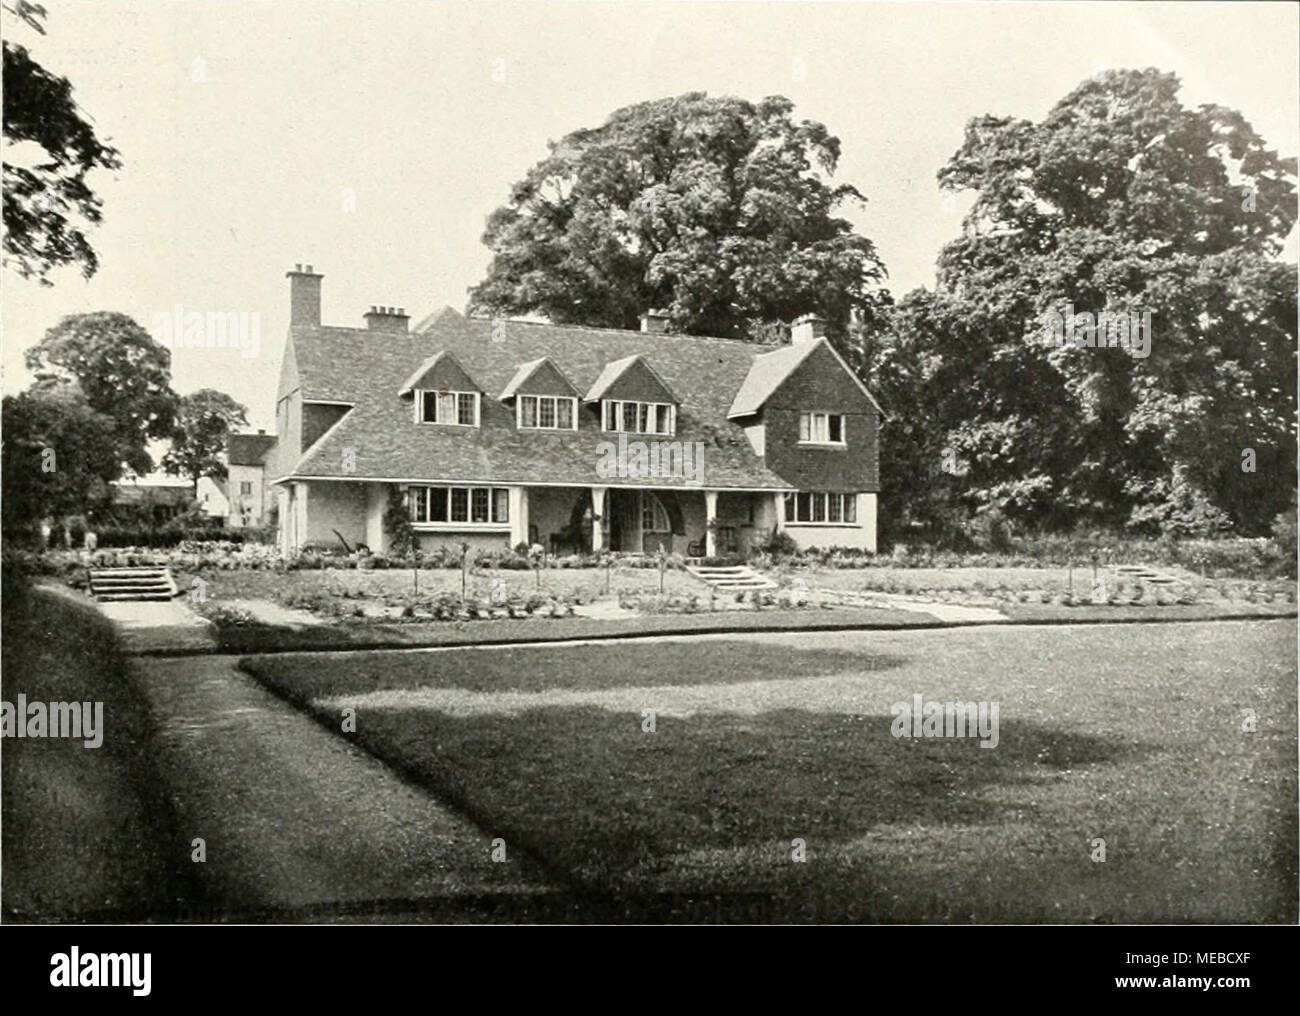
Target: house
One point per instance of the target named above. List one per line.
(246, 479)
(151, 500)
(496, 433)
(212, 497)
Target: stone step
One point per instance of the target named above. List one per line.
(132, 583)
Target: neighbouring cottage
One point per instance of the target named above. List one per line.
(500, 432)
(247, 495)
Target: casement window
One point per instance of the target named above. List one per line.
(816, 507)
(639, 417)
(481, 506)
(653, 517)
(454, 408)
(547, 412)
(821, 428)
(245, 488)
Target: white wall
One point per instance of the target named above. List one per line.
(335, 505)
(862, 535)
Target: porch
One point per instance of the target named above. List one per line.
(568, 520)
(561, 519)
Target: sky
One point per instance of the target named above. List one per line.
(372, 139)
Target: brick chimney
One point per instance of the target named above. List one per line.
(655, 321)
(807, 328)
(304, 296)
(387, 319)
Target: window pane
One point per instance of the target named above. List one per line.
(819, 507)
(501, 505)
(836, 428)
(802, 502)
(446, 407)
(629, 416)
(528, 411)
(429, 407)
(805, 428)
(546, 412)
(465, 404)
(851, 508)
(819, 426)
(459, 504)
(564, 413)
(645, 421)
(418, 499)
(437, 504)
(610, 417)
(833, 509)
(789, 507)
(480, 504)
(665, 420)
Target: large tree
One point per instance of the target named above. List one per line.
(50, 148)
(124, 374)
(203, 420)
(1120, 199)
(59, 455)
(718, 210)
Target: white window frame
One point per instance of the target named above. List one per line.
(498, 506)
(612, 415)
(439, 394)
(818, 502)
(556, 400)
(811, 423)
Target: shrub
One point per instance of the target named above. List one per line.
(779, 543)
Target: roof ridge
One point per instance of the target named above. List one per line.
(618, 331)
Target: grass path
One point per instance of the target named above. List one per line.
(293, 817)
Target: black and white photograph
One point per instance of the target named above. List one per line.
(649, 463)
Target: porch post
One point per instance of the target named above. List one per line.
(518, 515)
(376, 504)
(598, 518)
(778, 506)
(710, 515)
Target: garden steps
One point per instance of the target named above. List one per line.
(735, 578)
(1144, 574)
(138, 583)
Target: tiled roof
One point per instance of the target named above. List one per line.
(526, 371)
(368, 368)
(248, 449)
(766, 375)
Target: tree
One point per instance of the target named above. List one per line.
(41, 198)
(58, 455)
(203, 419)
(717, 210)
(123, 374)
(1119, 200)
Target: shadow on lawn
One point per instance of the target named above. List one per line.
(595, 797)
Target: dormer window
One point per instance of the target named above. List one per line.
(821, 428)
(449, 408)
(639, 417)
(546, 412)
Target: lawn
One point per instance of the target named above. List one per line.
(1129, 733)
